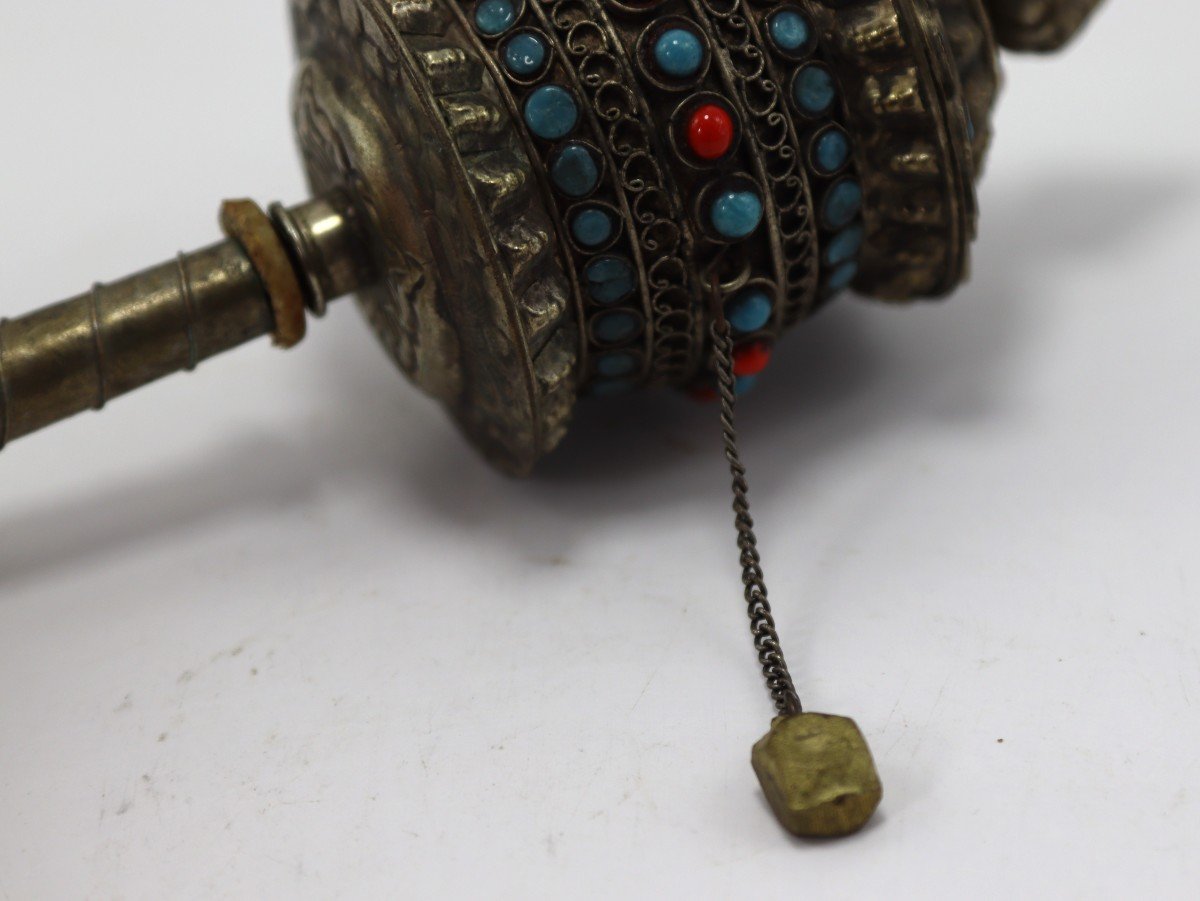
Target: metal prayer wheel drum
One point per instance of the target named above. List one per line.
(559, 192)
(539, 199)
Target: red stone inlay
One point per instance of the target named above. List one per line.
(751, 359)
(710, 132)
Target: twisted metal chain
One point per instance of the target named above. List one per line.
(762, 622)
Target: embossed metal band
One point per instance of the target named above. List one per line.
(969, 32)
(907, 112)
(476, 304)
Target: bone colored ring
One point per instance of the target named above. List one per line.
(246, 223)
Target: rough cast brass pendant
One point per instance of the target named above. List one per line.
(535, 200)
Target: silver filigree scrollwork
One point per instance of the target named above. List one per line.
(779, 149)
(664, 242)
(739, 64)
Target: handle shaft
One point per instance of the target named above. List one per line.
(79, 354)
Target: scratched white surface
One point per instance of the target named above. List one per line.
(272, 631)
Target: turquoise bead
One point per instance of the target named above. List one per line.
(789, 30)
(616, 327)
(613, 388)
(842, 204)
(616, 365)
(592, 227)
(609, 279)
(525, 54)
(551, 112)
(574, 171)
(678, 53)
(736, 214)
(844, 246)
(831, 151)
(841, 277)
(744, 384)
(493, 17)
(813, 89)
(749, 311)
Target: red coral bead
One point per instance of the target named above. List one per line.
(751, 359)
(710, 132)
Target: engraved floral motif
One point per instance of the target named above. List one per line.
(472, 303)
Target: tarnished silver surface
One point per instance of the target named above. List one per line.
(969, 32)
(1039, 25)
(907, 111)
(394, 105)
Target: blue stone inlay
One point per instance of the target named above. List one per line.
(494, 17)
(844, 246)
(610, 279)
(736, 214)
(616, 327)
(592, 227)
(551, 112)
(611, 389)
(678, 53)
(525, 54)
(813, 89)
(831, 151)
(749, 311)
(842, 204)
(744, 384)
(574, 171)
(789, 30)
(617, 365)
(841, 277)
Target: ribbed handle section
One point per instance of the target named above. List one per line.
(79, 354)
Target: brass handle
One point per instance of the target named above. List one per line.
(79, 354)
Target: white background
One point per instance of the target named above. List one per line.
(274, 631)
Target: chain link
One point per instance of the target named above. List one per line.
(762, 623)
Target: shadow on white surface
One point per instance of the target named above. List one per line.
(856, 370)
(852, 373)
